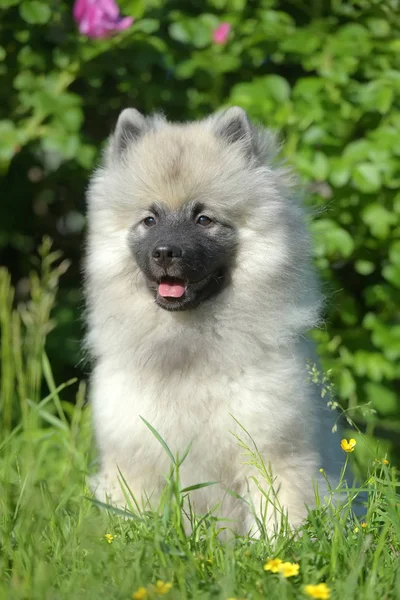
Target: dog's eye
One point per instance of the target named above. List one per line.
(204, 220)
(149, 221)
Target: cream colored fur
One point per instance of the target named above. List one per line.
(241, 354)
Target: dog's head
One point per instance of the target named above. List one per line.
(188, 205)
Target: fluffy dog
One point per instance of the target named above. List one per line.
(200, 290)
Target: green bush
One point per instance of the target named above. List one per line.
(324, 73)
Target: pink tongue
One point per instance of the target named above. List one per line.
(171, 290)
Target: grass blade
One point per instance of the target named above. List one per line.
(160, 439)
(113, 509)
(198, 486)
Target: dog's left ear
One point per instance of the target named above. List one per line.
(131, 125)
(233, 125)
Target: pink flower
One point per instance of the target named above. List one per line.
(220, 35)
(99, 18)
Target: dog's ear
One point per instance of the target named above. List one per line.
(233, 125)
(131, 125)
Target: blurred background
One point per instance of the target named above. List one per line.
(326, 74)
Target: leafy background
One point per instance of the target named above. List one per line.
(325, 73)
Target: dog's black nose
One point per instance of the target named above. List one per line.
(164, 254)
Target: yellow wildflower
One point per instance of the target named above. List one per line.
(385, 461)
(348, 446)
(140, 594)
(109, 538)
(273, 565)
(320, 591)
(162, 587)
(288, 569)
(364, 525)
(356, 530)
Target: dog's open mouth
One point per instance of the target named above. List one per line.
(171, 287)
(174, 293)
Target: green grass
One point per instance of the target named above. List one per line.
(52, 533)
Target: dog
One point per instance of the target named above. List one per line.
(200, 290)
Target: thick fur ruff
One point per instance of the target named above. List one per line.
(239, 357)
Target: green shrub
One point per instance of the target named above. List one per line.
(324, 73)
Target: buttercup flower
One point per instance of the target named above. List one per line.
(289, 569)
(99, 18)
(320, 591)
(364, 525)
(221, 34)
(348, 446)
(140, 594)
(109, 538)
(273, 565)
(162, 588)
(383, 461)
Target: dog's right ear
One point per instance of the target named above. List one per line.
(131, 125)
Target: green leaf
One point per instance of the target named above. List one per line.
(347, 384)
(373, 365)
(378, 219)
(226, 63)
(339, 173)
(382, 399)
(35, 12)
(394, 253)
(392, 274)
(181, 459)
(198, 486)
(9, 140)
(179, 33)
(126, 514)
(331, 239)
(86, 155)
(48, 376)
(366, 178)
(320, 166)
(25, 80)
(147, 25)
(71, 118)
(364, 267)
(376, 95)
(134, 8)
(277, 87)
(301, 42)
(379, 28)
(168, 549)
(357, 151)
(160, 439)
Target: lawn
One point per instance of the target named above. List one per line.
(58, 543)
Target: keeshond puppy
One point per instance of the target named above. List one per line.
(200, 291)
